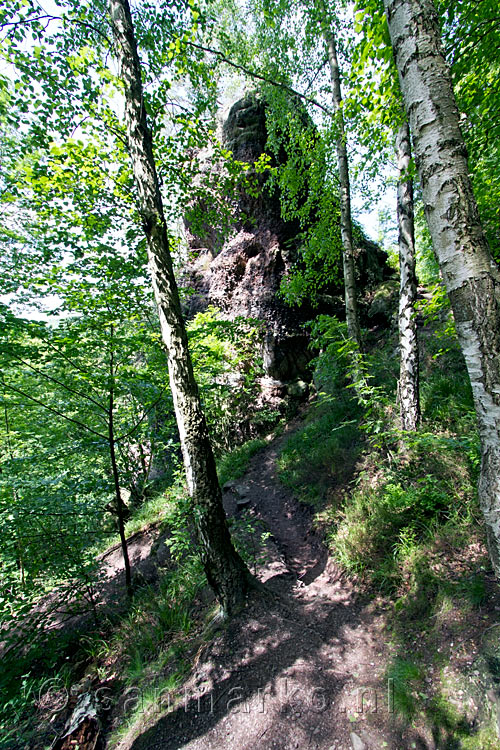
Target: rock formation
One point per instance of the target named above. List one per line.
(241, 275)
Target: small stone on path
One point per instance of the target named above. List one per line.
(357, 742)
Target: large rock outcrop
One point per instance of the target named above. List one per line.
(241, 274)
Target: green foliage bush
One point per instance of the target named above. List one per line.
(227, 363)
(55, 481)
(394, 512)
(402, 501)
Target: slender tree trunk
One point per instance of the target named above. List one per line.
(409, 402)
(351, 303)
(144, 468)
(226, 572)
(120, 509)
(19, 545)
(471, 279)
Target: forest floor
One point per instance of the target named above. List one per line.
(301, 668)
(305, 667)
(320, 661)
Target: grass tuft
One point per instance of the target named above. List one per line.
(234, 464)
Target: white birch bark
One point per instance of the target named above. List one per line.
(471, 279)
(225, 570)
(409, 404)
(351, 303)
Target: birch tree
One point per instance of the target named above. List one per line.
(225, 570)
(471, 279)
(409, 403)
(382, 130)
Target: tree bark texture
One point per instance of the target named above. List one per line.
(351, 303)
(471, 278)
(224, 568)
(409, 402)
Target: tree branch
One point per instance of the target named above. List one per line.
(55, 411)
(50, 18)
(141, 420)
(55, 380)
(259, 76)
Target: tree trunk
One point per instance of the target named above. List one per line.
(409, 403)
(226, 572)
(18, 542)
(351, 304)
(471, 279)
(120, 509)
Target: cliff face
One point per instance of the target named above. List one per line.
(241, 275)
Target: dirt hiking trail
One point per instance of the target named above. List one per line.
(301, 669)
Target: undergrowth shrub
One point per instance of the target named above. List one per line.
(319, 456)
(394, 512)
(403, 499)
(227, 362)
